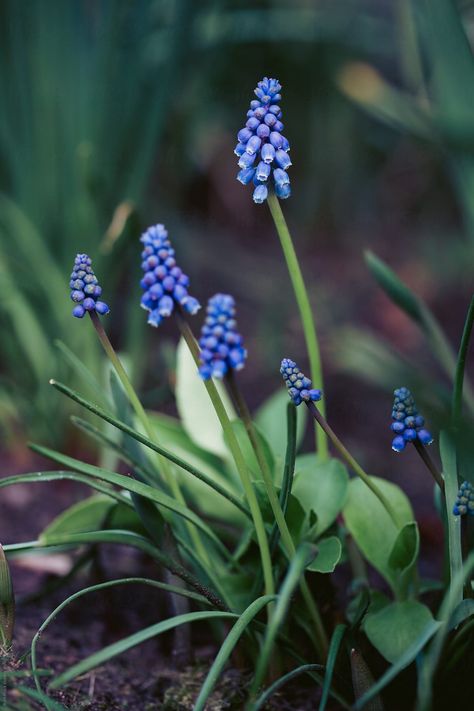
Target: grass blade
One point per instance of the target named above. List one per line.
(100, 412)
(111, 651)
(336, 640)
(303, 669)
(227, 648)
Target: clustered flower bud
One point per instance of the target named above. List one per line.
(164, 283)
(407, 423)
(464, 503)
(299, 386)
(262, 149)
(220, 342)
(85, 289)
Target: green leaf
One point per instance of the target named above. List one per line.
(270, 418)
(321, 487)
(7, 604)
(133, 486)
(227, 648)
(289, 676)
(370, 525)
(395, 289)
(300, 560)
(336, 640)
(123, 645)
(108, 417)
(406, 548)
(247, 449)
(397, 627)
(328, 555)
(87, 515)
(195, 408)
(294, 514)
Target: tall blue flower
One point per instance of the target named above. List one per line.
(261, 148)
(407, 423)
(85, 288)
(220, 342)
(464, 503)
(299, 386)
(163, 282)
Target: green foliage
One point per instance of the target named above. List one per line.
(365, 518)
(321, 487)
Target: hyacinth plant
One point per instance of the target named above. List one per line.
(242, 526)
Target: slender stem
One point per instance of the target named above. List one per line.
(142, 416)
(242, 408)
(450, 470)
(304, 307)
(461, 365)
(431, 466)
(238, 459)
(355, 466)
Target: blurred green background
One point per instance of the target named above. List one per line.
(115, 115)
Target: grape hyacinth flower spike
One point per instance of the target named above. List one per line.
(261, 148)
(163, 282)
(221, 344)
(464, 503)
(407, 423)
(85, 288)
(299, 386)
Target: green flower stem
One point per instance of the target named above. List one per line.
(304, 306)
(351, 462)
(241, 405)
(238, 458)
(450, 471)
(430, 465)
(142, 416)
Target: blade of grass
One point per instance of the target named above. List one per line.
(112, 650)
(303, 669)
(227, 648)
(334, 646)
(100, 412)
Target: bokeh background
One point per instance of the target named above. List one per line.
(115, 115)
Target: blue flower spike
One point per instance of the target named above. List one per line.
(407, 423)
(85, 288)
(262, 149)
(220, 342)
(464, 503)
(299, 386)
(163, 282)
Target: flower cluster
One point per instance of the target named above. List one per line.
(262, 150)
(85, 289)
(407, 423)
(164, 283)
(465, 500)
(220, 342)
(299, 386)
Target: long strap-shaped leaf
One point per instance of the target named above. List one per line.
(290, 582)
(108, 417)
(136, 487)
(31, 478)
(336, 640)
(303, 669)
(94, 588)
(99, 658)
(227, 648)
(126, 538)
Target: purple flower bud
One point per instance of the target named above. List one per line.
(253, 145)
(260, 194)
(245, 176)
(268, 153)
(85, 288)
(217, 354)
(263, 171)
(283, 159)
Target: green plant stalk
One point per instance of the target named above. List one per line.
(142, 416)
(351, 462)
(238, 458)
(449, 460)
(304, 307)
(239, 400)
